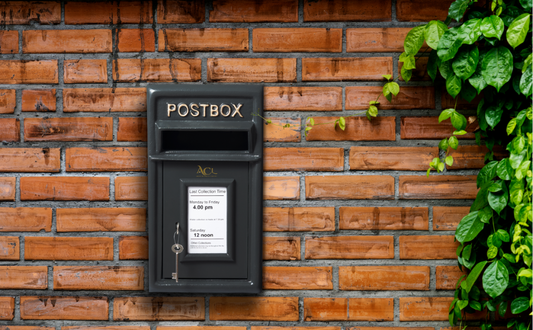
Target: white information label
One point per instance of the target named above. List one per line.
(208, 220)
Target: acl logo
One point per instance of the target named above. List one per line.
(206, 171)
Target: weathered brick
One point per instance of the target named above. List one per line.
(303, 98)
(30, 159)
(281, 248)
(159, 309)
(281, 187)
(135, 40)
(23, 277)
(276, 132)
(25, 219)
(85, 71)
(9, 42)
(100, 219)
(28, 72)
(448, 217)
(297, 278)
(25, 12)
(64, 308)
(438, 187)
(68, 248)
(291, 328)
(131, 129)
(133, 247)
(253, 309)
(376, 278)
(424, 308)
(7, 188)
(8, 100)
(98, 278)
(131, 188)
(371, 309)
(409, 98)
(428, 128)
(335, 11)
(282, 11)
(357, 129)
(68, 129)
(383, 218)
(375, 40)
(449, 102)
(181, 11)
(428, 247)
(349, 247)
(106, 12)
(349, 187)
(38, 100)
(108, 327)
(66, 41)
(25, 327)
(447, 277)
(303, 159)
(251, 69)
(392, 158)
(64, 188)
(422, 11)
(298, 218)
(291, 40)
(104, 99)
(9, 248)
(157, 69)
(106, 159)
(468, 157)
(346, 69)
(421, 71)
(7, 308)
(325, 309)
(203, 40)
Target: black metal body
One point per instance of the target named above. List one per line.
(204, 150)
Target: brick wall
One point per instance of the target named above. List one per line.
(355, 235)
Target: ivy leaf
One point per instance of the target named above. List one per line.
(406, 74)
(449, 44)
(386, 76)
(453, 85)
(433, 32)
(457, 9)
(485, 214)
(492, 252)
(516, 158)
(493, 115)
(492, 27)
(504, 169)
(487, 173)
(470, 31)
(526, 4)
(465, 62)
(473, 276)
(511, 126)
(445, 114)
(391, 88)
(373, 111)
(519, 305)
(342, 123)
(449, 160)
(458, 121)
(469, 227)
(497, 67)
(443, 144)
(516, 34)
(445, 69)
(408, 61)
(414, 40)
(432, 65)
(526, 83)
(516, 192)
(495, 279)
(527, 62)
(468, 92)
(502, 308)
(503, 235)
(453, 142)
(476, 305)
(498, 200)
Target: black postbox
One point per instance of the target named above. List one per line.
(205, 188)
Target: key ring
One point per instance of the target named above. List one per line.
(177, 247)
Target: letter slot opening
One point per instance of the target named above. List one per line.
(204, 140)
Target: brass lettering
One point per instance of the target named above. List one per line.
(204, 106)
(194, 110)
(170, 108)
(214, 110)
(179, 109)
(237, 110)
(222, 106)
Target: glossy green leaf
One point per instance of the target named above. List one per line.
(465, 62)
(527, 62)
(449, 160)
(492, 27)
(443, 144)
(467, 251)
(408, 61)
(503, 235)
(495, 279)
(468, 92)
(492, 252)
(473, 276)
(493, 115)
(406, 74)
(516, 159)
(504, 169)
(516, 192)
(342, 123)
(498, 200)
(373, 111)
(511, 126)
(496, 186)
(470, 31)
(449, 44)
(458, 121)
(526, 4)
(469, 227)
(445, 114)
(457, 9)
(497, 67)
(386, 76)
(414, 40)
(453, 85)
(433, 32)
(519, 305)
(526, 82)
(432, 65)
(485, 214)
(502, 308)
(516, 34)
(453, 142)
(487, 173)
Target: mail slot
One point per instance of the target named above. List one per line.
(205, 188)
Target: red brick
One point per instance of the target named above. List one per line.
(131, 188)
(106, 12)
(64, 308)
(392, 158)
(7, 188)
(428, 128)
(357, 129)
(9, 248)
(282, 11)
(104, 99)
(384, 278)
(447, 277)
(133, 247)
(101, 219)
(289, 40)
(181, 11)
(68, 248)
(157, 69)
(281, 188)
(275, 132)
(349, 187)
(424, 308)
(303, 98)
(448, 217)
(39, 100)
(135, 40)
(159, 309)
(25, 12)
(297, 278)
(25, 327)
(346, 69)
(25, 219)
(85, 71)
(203, 40)
(106, 159)
(8, 100)
(371, 309)
(325, 309)
(98, 278)
(28, 72)
(349, 247)
(23, 278)
(281, 248)
(468, 157)
(68, 129)
(449, 102)
(303, 159)
(131, 129)
(422, 11)
(66, 41)
(251, 69)
(107, 327)
(64, 188)
(30, 159)
(253, 309)
(335, 11)
(383, 218)
(438, 187)
(409, 98)
(7, 308)
(428, 247)
(9, 42)
(421, 71)
(286, 328)
(375, 40)
(299, 219)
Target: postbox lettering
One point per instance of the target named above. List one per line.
(194, 110)
(237, 110)
(214, 110)
(182, 105)
(171, 108)
(207, 109)
(222, 106)
(203, 105)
